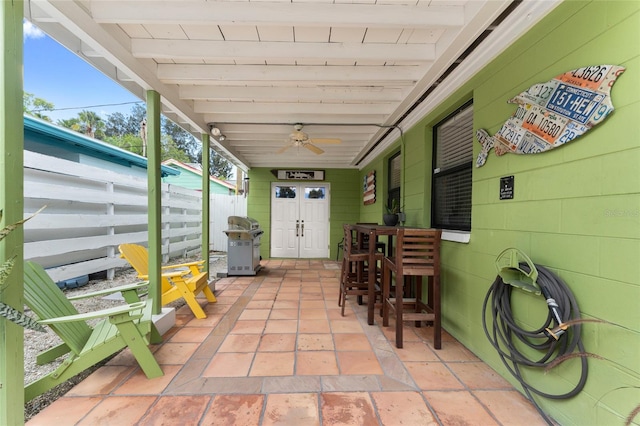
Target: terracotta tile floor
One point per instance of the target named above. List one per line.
(274, 350)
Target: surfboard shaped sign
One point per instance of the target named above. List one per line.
(553, 113)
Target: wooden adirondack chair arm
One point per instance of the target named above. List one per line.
(123, 288)
(194, 267)
(169, 275)
(178, 269)
(184, 265)
(117, 310)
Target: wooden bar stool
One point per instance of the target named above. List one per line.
(379, 245)
(354, 276)
(417, 253)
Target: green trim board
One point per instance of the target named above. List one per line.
(12, 204)
(154, 198)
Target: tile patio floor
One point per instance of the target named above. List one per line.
(274, 350)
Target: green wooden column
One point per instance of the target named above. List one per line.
(154, 197)
(11, 202)
(206, 187)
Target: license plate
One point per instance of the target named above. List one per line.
(574, 103)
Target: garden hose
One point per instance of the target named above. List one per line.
(553, 339)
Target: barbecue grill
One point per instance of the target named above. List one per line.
(243, 245)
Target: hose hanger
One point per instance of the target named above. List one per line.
(552, 340)
(511, 268)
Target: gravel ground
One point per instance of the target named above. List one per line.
(35, 342)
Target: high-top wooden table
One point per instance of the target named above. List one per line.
(373, 231)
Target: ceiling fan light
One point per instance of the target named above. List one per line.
(215, 131)
(221, 137)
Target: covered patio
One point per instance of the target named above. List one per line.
(274, 349)
(376, 85)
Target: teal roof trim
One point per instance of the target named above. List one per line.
(93, 147)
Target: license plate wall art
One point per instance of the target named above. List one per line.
(553, 113)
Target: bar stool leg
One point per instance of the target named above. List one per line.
(342, 281)
(386, 284)
(437, 326)
(418, 309)
(398, 305)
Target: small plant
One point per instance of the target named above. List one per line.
(7, 311)
(393, 207)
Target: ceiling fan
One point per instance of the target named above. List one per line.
(299, 138)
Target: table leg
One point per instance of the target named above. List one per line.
(371, 299)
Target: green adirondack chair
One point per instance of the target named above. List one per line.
(124, 326)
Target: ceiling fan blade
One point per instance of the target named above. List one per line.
(326, 140)
(313, 148)
(283, 149)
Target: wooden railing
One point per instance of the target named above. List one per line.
(91, 210)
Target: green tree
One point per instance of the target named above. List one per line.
(36, 106)
(91, 124)
(70, 123)
(124, 131)
(170, 150)
(218, 165)
(183, 139)
(115, 125)
(134, 119)
(129, 142)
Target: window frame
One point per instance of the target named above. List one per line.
(452, 171)
(395, 192)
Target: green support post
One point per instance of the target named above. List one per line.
(12, 204)
(154, 197)
(206, 187)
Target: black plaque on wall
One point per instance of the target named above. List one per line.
(506, 188)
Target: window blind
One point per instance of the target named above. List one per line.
(452, 171)
(394, 172)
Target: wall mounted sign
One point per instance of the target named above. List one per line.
(553, 113)
(369, 188)
(506, 188)
(299, 174)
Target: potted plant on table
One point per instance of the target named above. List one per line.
(390, 218)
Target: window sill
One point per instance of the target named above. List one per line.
(456, 236)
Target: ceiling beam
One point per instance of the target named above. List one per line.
(291, 108)
(266, 137)
(295, 118)
(276, 14)
(230, 128)
(326, 94)
(211, 50)
(342, 75)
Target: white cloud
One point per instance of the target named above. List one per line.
(31, 31)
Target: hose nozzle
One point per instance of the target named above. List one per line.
(558, 331)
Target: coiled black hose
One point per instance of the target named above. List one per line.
(550, 339)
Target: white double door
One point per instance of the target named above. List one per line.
(300, 220)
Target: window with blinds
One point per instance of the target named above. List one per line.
(452, 167)
(394, 180)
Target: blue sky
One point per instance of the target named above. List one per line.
(55, 74)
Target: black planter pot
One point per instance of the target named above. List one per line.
(390, 219)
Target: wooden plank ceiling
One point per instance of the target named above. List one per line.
(344, 69)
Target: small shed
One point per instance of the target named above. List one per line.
(191, 177)
(49, 139)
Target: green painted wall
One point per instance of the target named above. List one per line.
(346, 201)
(576, 209)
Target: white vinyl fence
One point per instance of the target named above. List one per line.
(91, 210)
